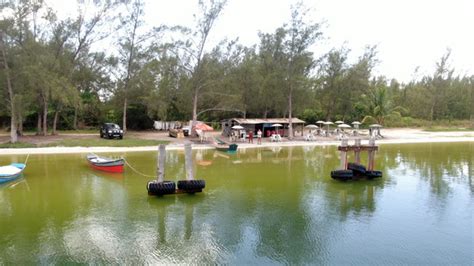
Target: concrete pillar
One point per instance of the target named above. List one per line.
(188, 161)
(343, 164)
(357, 150)
(160, 167)
(371, 162)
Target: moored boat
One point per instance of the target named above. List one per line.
(106, 164)
(11, 172)
(224, 146)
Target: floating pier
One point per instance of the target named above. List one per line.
(159, 187)
(355, 170)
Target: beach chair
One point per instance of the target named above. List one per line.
(274, 138)
(278, 137)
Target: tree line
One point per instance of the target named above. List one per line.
(106, 64)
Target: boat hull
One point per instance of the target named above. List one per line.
(227, 148)
(110, 169)
(9, 178)
(106, 164)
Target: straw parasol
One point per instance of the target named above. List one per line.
(327, 123)
(312, 126)
(339, 122)
(277, 126)
(375, 126)
(344, 126)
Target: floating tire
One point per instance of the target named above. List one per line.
(191, 185)
(161, 188)
(373, 174)
(357, 168)
(342, 174)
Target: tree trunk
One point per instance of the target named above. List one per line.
(195, 102)
(55, 122)
(124, 121)
(290, 118)
(74, 122)
(20, 124)
(38, 125)
(45, 117)
(432, 112)
(13, 133)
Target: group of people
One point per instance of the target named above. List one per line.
(249, 134)
(259, 136)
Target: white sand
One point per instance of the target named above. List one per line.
(392, 136)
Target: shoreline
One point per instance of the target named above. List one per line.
(295, 143)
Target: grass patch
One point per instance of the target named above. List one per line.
(79, 131)
(126, 142)
(17, 145)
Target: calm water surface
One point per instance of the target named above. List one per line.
(260, 206)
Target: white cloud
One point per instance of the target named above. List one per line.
(408, 33)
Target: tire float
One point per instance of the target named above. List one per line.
(191, 186)
(355, 171)
(161, 188)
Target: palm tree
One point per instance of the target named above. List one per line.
(381, 107)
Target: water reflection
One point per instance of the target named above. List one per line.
(273, 207)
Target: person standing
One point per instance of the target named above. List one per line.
(259, 137)
(250, 136)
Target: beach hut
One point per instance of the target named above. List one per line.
(265, 125)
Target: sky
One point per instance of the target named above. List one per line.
(410, 35)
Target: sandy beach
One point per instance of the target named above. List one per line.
(391, 136)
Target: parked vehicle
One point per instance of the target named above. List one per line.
(111, 130)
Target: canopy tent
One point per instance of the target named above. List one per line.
(203, 127)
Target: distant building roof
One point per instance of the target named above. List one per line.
(254, 121)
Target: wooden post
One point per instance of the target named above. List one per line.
(188, 161)
(343, 155)
(160, 167)
(370, 165)
(357, 151)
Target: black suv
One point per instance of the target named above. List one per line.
(111, 130)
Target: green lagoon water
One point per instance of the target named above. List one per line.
(260, 206)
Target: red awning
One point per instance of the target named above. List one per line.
(204, 127)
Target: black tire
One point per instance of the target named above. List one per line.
(121, 137)
(357, 168)
(342, 174)
(191, 184)
(161, 188)
(373, 174)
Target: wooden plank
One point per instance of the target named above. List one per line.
(358, 148)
